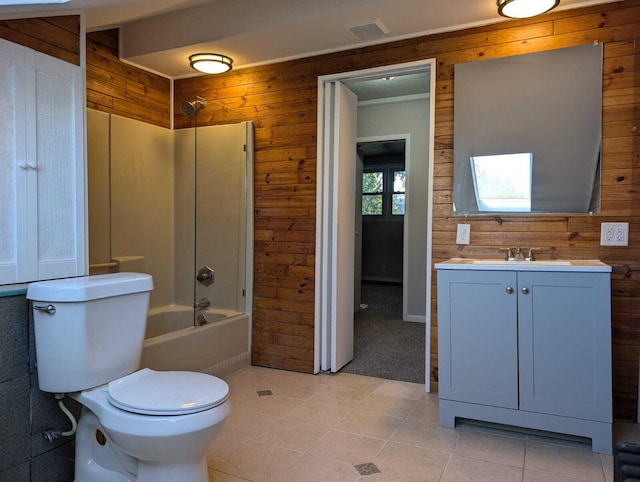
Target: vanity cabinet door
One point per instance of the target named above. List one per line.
(565, 344)
(478, 337)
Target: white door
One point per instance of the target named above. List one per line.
(339, 204)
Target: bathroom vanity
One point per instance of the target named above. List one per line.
(527, 344)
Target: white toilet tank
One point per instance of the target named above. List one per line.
(89, 330)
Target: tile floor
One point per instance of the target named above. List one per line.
(337, 427)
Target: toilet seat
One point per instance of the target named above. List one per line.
(149, 392)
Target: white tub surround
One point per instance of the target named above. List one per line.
(170, 318)
(216, 348)
(527, 344)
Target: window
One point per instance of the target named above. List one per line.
(372, 191)
(502, 183)
(397, 197)
(383, 192)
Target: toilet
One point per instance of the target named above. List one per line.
(137, 424)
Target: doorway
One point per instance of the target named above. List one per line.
(337, 107)
(385, 345)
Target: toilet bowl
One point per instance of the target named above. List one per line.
(181, 414)
(136, 425)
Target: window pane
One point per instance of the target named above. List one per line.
(372, 182)
(371, 204)
(398, 181)
(503, 182)
(397, 204)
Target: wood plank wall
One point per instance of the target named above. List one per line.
(281, 100)
(55, 36)
(119, 88)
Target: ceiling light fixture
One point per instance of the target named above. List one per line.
(525, 8)
(210, 63)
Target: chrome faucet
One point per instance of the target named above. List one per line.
(202, 304)
(201, 319)
(512, 254)
(518, 254)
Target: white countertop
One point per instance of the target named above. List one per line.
(558, 265)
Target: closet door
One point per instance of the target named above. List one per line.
(13, 161)
(59, 164)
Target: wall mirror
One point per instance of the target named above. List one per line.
(527, 133)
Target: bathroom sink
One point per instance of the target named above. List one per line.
(568, 265)
(522, 262)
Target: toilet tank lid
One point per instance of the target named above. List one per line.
(87, 288)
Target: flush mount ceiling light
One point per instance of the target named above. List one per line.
(525, 8)
(210, 63)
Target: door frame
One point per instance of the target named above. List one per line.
(322, 280)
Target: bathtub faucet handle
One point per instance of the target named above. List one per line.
(206, 276)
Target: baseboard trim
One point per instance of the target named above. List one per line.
(415, 318)
(230, 365)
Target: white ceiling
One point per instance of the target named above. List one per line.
(159, 35)
(407, 85)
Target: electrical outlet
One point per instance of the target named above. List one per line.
(621, 234)
(614, 234)
(463, 234)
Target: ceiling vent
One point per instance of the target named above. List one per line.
(368, 30)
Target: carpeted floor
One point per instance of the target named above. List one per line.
(386, 346)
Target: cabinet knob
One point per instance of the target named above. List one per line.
(525, 290)
(509, 290)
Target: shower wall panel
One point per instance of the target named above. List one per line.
(184, 219)
(98, 175)
(142, 202)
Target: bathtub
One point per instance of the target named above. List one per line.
(171, 318)
(220, 347)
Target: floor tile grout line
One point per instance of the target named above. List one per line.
(446, 466)
(228, 473)
(478, 459)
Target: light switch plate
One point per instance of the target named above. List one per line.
(463, 234)
(614, 234)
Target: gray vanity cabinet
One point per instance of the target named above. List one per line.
(526, 348)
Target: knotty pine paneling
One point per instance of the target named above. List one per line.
(281, 100)
(55, 36)
(122, 89)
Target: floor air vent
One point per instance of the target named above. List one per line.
(626, 459)
(368, 30)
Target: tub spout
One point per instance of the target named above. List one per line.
(202, 304)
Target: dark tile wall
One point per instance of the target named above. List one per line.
(25, 411)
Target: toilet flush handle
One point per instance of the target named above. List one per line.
(49, 309)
